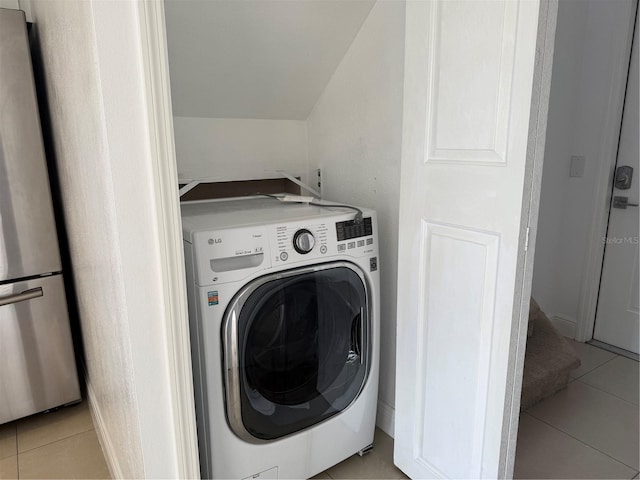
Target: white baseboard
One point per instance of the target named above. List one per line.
(567, 326)
(385, 418)
(103, 437)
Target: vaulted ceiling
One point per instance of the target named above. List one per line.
(268, 59)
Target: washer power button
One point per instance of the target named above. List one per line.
(323, 249)
(284, 256)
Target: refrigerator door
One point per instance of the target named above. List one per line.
(37, 364)
(28, 239)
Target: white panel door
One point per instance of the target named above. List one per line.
(618, 319)
(469, 68)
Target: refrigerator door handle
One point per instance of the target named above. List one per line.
(21, 297)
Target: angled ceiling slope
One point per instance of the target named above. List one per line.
(268, 59)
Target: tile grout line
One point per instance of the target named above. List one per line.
(607, 347)
(596, 367)
(580, 441)
(15, 437)
(56, 441)
(46, 444)
(608, 393)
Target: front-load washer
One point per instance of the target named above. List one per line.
(284, 320)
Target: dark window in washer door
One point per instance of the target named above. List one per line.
(302, 348)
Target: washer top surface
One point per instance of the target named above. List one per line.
(222, 214)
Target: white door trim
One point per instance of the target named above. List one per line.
(538, 119)
(165, 179)
(604, 174)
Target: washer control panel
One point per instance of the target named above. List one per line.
(230, 254)
(352, 235)
(351, 229)
(295, 240)
(298, 241)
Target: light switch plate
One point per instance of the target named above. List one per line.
(576, 168)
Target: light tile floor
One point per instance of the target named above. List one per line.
(588, 430)
(378, 464)
(60, 444)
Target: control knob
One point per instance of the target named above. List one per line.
(303, 241)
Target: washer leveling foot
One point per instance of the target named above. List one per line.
(365, 450)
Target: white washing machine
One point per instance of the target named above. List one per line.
(284, 318)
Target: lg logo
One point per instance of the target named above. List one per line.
(214, 240)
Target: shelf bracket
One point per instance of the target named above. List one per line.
(189, 184)
(301, 184)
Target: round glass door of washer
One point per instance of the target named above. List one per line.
(296, 349)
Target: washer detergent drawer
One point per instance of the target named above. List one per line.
(240, 262)
(230, 255)
(296, 349)
(37, 363)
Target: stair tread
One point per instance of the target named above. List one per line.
(549, 359)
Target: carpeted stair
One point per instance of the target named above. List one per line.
(548, 360)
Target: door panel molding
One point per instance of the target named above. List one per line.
(463, 124)
(472, 255)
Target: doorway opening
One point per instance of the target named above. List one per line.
(586, 256)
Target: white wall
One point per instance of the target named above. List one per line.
(14, 4)
(355, 133)
(588, 36)
(256, 59)
(233, 148)
(93, 71)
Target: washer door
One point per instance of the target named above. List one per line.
(296, 348)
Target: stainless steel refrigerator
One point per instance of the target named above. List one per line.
(37, 363)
